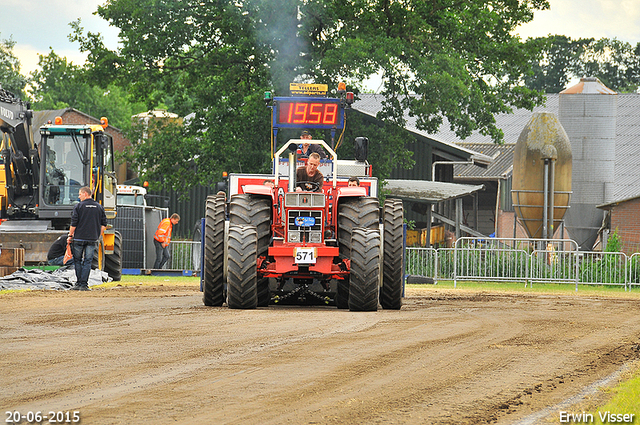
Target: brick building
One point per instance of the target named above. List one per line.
(623, 216)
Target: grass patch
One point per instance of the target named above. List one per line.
(137, 280)
(625, 399)
(537, 288)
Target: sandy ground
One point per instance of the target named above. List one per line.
(157, 355)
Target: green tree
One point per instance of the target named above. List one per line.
(614, 62)
(215, 59)
(10, 77)
(560, 59)
(59, 84)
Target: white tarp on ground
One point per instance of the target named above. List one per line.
(61, 279)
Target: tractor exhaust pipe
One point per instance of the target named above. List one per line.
(293, 162)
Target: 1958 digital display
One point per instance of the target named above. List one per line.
(308, 113)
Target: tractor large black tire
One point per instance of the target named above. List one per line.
(242, 284)
(247, 209)
(391, 291)
(361, 212)
(113, 262)
(365, 270)
(212, 269)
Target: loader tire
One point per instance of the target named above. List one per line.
(242, 284)
(361, 212)
(113, 262)
(365, 270)
(391, 290)
(252, 210)
(212, 270)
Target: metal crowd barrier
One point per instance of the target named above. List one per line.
(185, 255)
(523, 260)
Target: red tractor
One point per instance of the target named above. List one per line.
(271, 243)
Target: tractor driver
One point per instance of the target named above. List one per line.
(309, 173)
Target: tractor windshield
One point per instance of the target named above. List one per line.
(64, 169)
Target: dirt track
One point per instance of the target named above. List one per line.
(155, 355)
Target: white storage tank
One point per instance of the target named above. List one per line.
(588, 114)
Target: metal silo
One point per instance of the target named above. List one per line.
(541, 175)
(588, 114)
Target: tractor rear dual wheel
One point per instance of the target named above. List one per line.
(213, 273)
(391, 290)
(342, 294)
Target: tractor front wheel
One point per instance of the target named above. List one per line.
(252, 210)
(242, 283)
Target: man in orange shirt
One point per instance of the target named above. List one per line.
(162, 238)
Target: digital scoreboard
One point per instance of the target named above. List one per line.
(308, 113)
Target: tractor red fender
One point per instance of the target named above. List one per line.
(351, 191)
(258, 189)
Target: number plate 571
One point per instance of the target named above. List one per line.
(305, 255)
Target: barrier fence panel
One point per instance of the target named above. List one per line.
(500, 258)
(488, 263)
(185, 255)
(445, 258)
(608, 268)
(553, 266)
(422, 262)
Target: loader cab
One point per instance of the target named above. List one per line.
(73, 156)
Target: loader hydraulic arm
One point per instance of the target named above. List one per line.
(19, 153)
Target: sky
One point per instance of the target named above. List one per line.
(38, 25)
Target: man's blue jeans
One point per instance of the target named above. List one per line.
(83, 252)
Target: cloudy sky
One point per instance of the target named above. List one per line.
(37, 25)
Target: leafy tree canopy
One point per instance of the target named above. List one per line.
(59, 84)
(215, 58)
(560, 59)
(10, 77)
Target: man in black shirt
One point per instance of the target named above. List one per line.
(309, 173)
(307, 149)
(55, 256)
(88, 222)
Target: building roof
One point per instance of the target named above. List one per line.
(610, 205)
(429, 191)
(500, 168)
(627, 163)
(371, 104)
